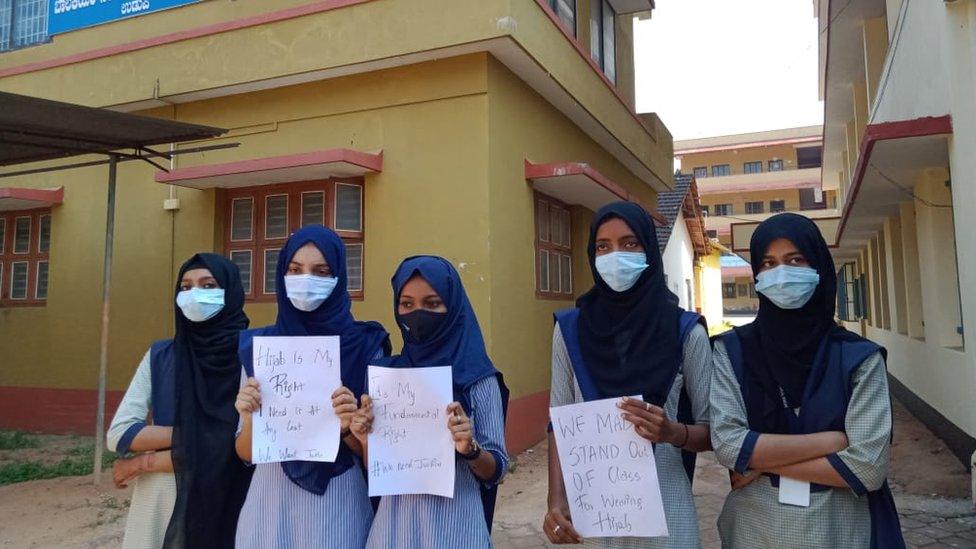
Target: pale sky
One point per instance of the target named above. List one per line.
(718, 67)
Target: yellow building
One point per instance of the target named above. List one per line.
(898, 79)
(486, 132)
(744, 179)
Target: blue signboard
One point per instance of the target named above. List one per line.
(69, 15)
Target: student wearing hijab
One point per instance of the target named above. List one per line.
(298, 503)
(187, 386)
(627, 336)
(439, 328)
(795, 396)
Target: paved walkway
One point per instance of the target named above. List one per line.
(931, 489)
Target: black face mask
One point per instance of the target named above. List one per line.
(420, 325)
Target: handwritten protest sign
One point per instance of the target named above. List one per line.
(298, 376)
(609, 472)
(411, 450)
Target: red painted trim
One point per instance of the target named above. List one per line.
(49, 197)
(884, 131)
(179, 36)
(55, 411)
(367, 161)
(526, 422)
(563, 169)
(770, 143)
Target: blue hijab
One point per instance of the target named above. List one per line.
(360, 341)
(458, 342)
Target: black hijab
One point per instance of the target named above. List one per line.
(629, 339)
(211, 481)
(780, 346)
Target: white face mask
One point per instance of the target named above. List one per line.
(199, 304)
(787, 286)
(620, 270)
(306, 292)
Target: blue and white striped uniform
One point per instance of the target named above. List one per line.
(433, 522)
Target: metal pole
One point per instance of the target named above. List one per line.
(106, 286)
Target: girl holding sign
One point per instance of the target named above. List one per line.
(800, 408)
(187, 385)
(628, 336)
(439, 328)
(298, 503)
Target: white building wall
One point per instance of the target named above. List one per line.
(679, 265)
(932, 72)
(914, 82)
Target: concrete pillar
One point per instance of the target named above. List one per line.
(882, 263)
(853, 152)
(937, 260)
(914, 314)
(874, 284)
(860, 97)
(875, 50)
(894, 264)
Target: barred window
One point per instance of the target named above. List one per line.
(260, 219)
(553, 249)
(25, 247)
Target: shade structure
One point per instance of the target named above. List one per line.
(34, 129)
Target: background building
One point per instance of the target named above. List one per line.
(899, 78)
(487, 132)
(744, 179)
(685, 246)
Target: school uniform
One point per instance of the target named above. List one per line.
(638, 341)
(189, 383)
(298, 504)
(435, 522)
(794, 371)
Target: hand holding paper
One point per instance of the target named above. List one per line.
(609, 472)
(296, 421)
(411, 447)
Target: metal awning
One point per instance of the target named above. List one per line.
(33, 129)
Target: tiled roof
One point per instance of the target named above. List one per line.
(669, 205)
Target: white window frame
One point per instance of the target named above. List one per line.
(40, 233)
(362, 260)
(13, 241)
(543, 281)
(264, 272)
(250, 253)
(37, 280)
(232, 215)
(266, 224)
(13, 265)
(301, 215)
(335, 209)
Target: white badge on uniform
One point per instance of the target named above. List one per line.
(794, 492)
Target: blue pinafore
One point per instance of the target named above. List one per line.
(825, 400)
(568, 321)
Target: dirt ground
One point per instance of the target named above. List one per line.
(70, 512)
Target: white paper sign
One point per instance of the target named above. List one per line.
(609, 472)
(794, 492)
(411, 450)
(296, 421)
